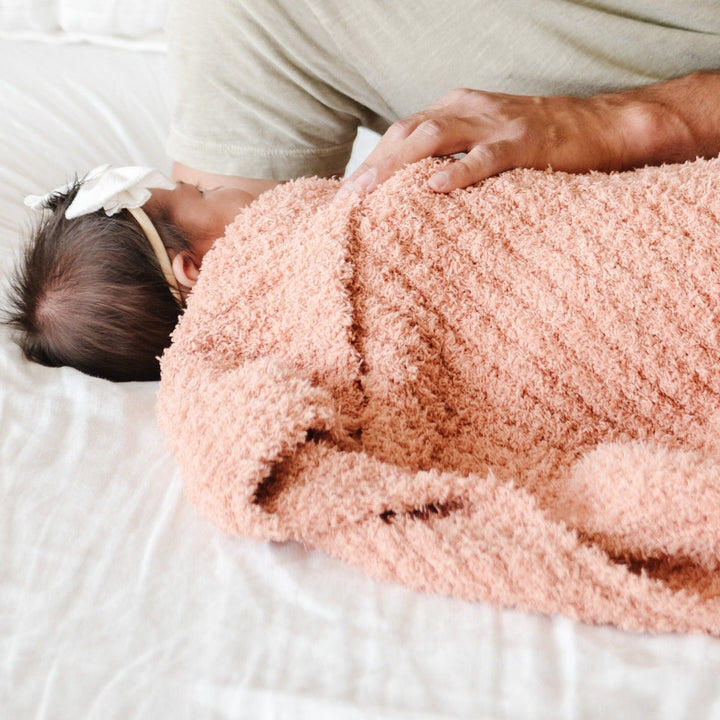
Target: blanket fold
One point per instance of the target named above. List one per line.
(507, 394)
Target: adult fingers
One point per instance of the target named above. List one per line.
(406, 142)
(481, 162)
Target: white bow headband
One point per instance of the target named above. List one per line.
(114, 189)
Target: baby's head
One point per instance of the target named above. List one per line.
(102, 292)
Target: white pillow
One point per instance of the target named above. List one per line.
(85, 18)
(28, 15)
(127, 18)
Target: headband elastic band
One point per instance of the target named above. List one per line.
(159, 249)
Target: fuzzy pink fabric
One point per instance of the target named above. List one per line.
(508, 394)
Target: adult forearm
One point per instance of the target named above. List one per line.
(668, 122)
(208, 181)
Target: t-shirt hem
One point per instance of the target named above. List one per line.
(257, 161)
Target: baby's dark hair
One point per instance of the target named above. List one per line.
(89, 293)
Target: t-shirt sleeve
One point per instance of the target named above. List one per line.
(249, 96)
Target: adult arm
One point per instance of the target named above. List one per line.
(207, 181)
(672, 121)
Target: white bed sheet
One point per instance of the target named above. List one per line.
(118, 601)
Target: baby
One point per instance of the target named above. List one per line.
(507, 393)
(109, 267)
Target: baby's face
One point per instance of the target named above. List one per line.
(200, 215)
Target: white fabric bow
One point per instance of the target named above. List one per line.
(111, 188)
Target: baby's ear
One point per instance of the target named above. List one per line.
(185, 269)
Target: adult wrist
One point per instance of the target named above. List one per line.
(666, 122)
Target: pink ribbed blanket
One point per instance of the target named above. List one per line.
(508, 394)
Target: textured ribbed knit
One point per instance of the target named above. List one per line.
(508, 394)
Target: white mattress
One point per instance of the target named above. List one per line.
(118, 601)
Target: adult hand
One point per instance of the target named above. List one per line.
(499, 132)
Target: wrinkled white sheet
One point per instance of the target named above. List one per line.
(117, 601)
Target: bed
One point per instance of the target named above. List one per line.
(118, 601)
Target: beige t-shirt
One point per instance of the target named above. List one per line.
(277, 89)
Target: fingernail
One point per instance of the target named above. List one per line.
(439, 182)
(345, 189)
(365, 181)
